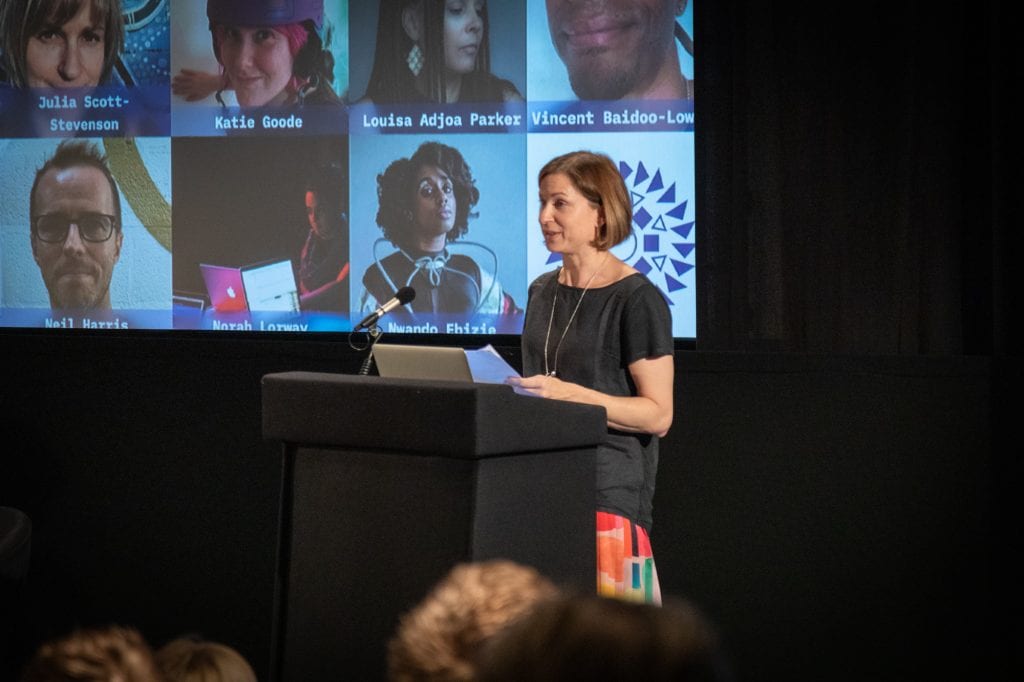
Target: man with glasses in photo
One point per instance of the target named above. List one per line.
(76, 226)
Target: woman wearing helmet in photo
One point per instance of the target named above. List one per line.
(425, 203)
(271, 54)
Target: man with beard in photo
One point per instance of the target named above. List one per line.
(620, 49)
(76, 227)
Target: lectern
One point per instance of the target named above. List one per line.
(388, 483)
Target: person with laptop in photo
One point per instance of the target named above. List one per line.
(598, 332)
(323, 261)
(75, 227)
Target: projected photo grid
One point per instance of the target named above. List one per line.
(288, 165)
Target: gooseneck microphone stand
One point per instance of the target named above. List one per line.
(374, 333)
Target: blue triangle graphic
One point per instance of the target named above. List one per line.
(656, 183)
(674, 284)
(679, 211)
(641, 174)
(680, 267)
(683, 230)
(684, 249)
(669, 197)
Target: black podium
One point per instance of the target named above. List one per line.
(388, 483)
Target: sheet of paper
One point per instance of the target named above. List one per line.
(488, 367)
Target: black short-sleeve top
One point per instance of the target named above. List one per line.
(610, 328)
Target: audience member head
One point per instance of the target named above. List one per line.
(105, 654)
(60, 43)
(189, 659)
(441, 637)
(604, 640)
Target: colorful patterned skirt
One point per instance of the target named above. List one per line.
(625, 562)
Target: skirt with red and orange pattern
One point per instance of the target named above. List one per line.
(625, 562)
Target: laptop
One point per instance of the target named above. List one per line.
(187, 310)
(445, 363)
(271, 286)
(261, 287)
(225, 288)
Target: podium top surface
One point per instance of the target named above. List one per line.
(449, 418)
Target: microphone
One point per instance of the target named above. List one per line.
(402, 296)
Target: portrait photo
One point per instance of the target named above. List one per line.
(246, 202)
(436, 213)
(610, 49)
(259, 53)
(437, 51)
(85, 226)
(84, 68)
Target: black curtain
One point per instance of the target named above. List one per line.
(854, 161)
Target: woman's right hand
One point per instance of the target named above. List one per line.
(541, 385)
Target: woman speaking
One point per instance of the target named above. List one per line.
(598, 332)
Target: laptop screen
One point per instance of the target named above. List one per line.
(271, 286)
(421, 362)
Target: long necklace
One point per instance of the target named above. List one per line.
(553, 371)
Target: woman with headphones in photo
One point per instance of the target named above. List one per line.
(270, 55)
(425, 203)
(434, 51)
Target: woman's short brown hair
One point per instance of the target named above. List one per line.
(597, 179)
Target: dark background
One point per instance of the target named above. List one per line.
(838, 491)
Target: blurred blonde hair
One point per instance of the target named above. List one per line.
(96, 654)
(439, 639)
(188, 659)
